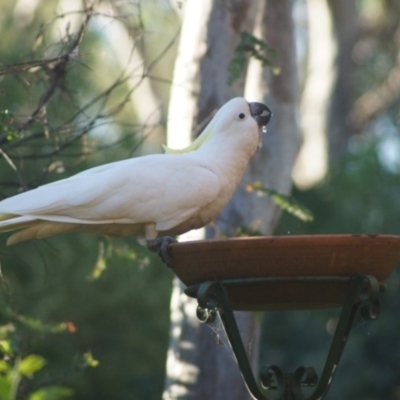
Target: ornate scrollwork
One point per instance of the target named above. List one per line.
(206, 315)
(368, 293)
(362, 298)
(306, 376)
(272, 377)
(207, 296)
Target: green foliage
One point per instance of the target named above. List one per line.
(246, 231)
(30, 323)
(31, 364)
(286, 203)
(122, 316)
(19, 372)
(51, 393)
(250, 46)
(15, 370)
(8, 128)
(110, 250)
(59, 118)
(359, 196)
(89, 360)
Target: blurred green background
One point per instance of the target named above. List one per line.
(111, 293)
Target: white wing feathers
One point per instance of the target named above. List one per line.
(157, 189)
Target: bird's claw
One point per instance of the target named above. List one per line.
(160, 246)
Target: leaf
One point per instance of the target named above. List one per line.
(31, 323)
(51, 393)
(31, 364)
(250, 46)
(4, 366)
(244, 230)
(8, 125)
(5, 387)
(286, 203)
(5, 347)
(89, 361)
(101, 263)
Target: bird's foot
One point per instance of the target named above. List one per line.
(160, 246)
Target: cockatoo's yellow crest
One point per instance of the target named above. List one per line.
(201, 139)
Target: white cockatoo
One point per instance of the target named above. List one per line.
(150, 196)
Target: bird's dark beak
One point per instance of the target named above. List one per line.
(261, 113)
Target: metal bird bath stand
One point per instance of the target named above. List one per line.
(282, 273)
(363, 292)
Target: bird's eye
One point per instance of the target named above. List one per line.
(241, 116)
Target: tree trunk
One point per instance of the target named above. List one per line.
(345, 21)
(200, 363)
(312, 163)
(144, 101)
(274, 163)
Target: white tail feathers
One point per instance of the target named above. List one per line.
(39, 229)
(10, 222)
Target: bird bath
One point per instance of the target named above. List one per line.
(287, 273)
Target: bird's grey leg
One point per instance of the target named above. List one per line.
(160, 247)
